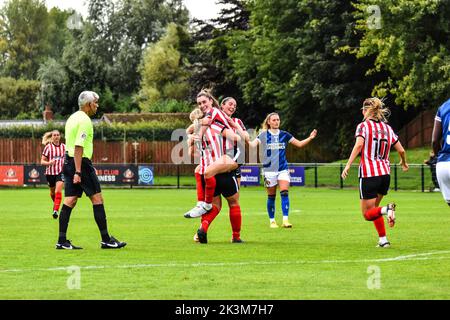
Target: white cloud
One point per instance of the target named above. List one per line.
(78, 5)
(200, 9)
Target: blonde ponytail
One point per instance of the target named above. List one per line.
(47, 138)
(376, 109)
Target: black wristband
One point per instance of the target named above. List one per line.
(78, 173)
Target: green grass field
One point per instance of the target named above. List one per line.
(329, 254)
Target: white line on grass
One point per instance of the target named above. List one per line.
(411, 257)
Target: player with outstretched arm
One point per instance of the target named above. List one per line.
(274, 142)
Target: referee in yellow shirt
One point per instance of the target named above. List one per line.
(80, 175)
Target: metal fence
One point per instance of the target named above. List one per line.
(163, 175)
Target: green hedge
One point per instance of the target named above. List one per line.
(152, 131)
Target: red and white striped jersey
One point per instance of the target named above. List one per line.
(239, 123)
(218, 117)
(213, 147)
(378, 140)
(52, 151)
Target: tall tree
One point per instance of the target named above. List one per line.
(211, 65)
(164, 76)
(24, 25)
(410, 42)
(289, 61)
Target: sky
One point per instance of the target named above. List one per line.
(200, 9)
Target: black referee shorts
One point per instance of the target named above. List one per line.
(226, 184)
(90, 184)
(53, 179)
(370, 188)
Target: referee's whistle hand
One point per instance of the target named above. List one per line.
(76, 179)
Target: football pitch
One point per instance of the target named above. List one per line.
(330, 252)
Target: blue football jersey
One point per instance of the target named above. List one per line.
(273, 150)
(443, 115)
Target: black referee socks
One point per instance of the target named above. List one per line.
(100, 219)
(64, 217)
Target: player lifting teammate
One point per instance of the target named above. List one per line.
(215, 146)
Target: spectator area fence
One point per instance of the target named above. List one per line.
(163, 175)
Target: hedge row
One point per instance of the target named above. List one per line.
(151, 131)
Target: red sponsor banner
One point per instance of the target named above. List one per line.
(11, 175)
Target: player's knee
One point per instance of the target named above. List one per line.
(208, 174)
(71, 202)
(97, 199)
(233, 202)
(284, 193)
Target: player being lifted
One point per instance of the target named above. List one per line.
(273, 143)
(215, 145)
(227, 184)
(212, 151)
(374, 139)
(53, 158)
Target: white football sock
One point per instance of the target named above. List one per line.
(207, 206)
(383, 239)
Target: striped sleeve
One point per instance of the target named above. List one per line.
(361, 131)
(218, 126)
(46, 151)
(240, 123)
(393, 136)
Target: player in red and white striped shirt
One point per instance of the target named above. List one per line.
(215, 158)
(53, 158)
(374, 139)
(214, 147)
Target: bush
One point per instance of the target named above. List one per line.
(18, 97)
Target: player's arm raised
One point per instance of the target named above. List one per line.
(302, 143)
(355, 152)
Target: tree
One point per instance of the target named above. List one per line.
(289, 61)
(411, 44)
(23, 44)
(163, 72)
(18, 98)
(53, 78)
(211, 65)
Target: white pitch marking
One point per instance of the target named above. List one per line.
(411, 257)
